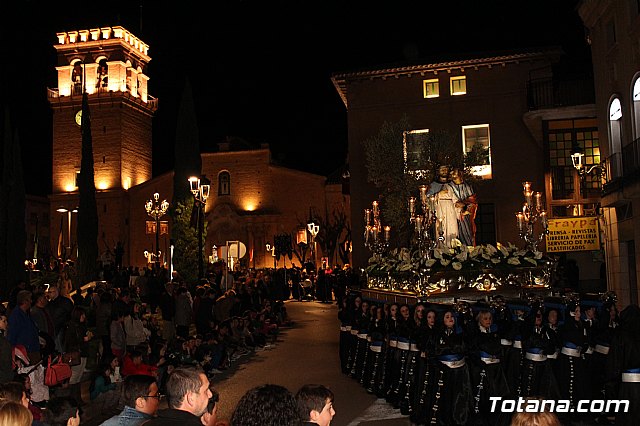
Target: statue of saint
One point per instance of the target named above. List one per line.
(447, 223)
(466, 205)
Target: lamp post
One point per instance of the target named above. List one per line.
(156, 210)
(271, 249)
(200, 188)
(577, 159)
(313, 230)
(68, 211)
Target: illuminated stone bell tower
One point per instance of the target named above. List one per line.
(110, 65)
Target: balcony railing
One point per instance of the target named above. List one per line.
(55, 94)
(631, 158)
(547, 93)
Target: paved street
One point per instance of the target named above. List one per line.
(307, 353)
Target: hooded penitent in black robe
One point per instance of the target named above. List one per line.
(487, 376)
(623, 364)
(427, 369)
(514, 356)
(571, 372)
(375, 358)
(538, 378)
(451, 387)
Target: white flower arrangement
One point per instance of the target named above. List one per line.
(458, 257)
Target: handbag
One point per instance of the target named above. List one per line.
(56, 373)
(72, 358)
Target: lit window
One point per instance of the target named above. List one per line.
(431, 88)
(413, 147)
(615, 111)
(459, 85)
(224, 183)
(477, 149)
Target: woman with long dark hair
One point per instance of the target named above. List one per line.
(426, 367)
(76, 341)
(451, 388)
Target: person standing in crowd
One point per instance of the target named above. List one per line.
(451, 388)
(141, 398)
(44, 322)
(572, 375)
(426, 368)
(22, 329)
(168, 312)
(6, 370)
(315, 405)
(537, 376)
(103, 321)
(266, 405)
(623, 364)
(414, 326)
(485, 367)
(377, 330)
(59, 308)
(184, 312)
(76, 340)
(514, 355)
(134, 329)
(188, 396)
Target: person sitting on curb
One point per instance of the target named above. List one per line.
(141, 400)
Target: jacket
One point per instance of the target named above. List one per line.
(172, 417)
(128, 417)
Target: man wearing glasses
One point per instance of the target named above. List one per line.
(188, 396)
(141, 399)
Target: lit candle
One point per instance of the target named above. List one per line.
(412, 206)
(367, 216)
(432, 202)
(418, 220)
(543, 219)
(375, 209)
(367, 232)
(423, 194)
(526, 186)
(375, 233)
(538, 197)
(387, 233)
(527, 197)
(520, 220)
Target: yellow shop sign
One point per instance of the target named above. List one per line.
(573, 234)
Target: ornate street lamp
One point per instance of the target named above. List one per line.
(271, 249)
(577, 159)
(156, 210)
(68, 211)
(200, 188)
(313, 230)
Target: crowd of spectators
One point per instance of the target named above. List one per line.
(136, 323)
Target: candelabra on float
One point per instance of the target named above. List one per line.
(373, 238)
(532, 212)
(425, 223)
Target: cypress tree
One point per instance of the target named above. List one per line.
(87, 233)
(13, 235)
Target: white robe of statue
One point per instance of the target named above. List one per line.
(446, 214)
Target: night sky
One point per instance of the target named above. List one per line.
(261, 70)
